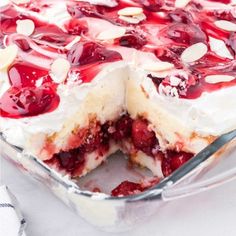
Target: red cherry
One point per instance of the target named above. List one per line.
(164, 54)
(180, 16)
(81, 9)
(185, 33)
(165, 167)
(126, 188)
(178, 159)
(123, 128)
(152, 5)
(173, 161)
(76, 27)
(70, 160)
(92, 142)
(132, 40)
(143, 139)
(232, 41)
(90, 52)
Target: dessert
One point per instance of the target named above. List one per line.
(83, 79)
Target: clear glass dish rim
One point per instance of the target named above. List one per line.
(159, 191)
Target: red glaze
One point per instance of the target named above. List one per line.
(90, 52)
(26, 75)
(28, 101)
(132, 39)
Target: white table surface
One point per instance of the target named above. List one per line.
(211, 213)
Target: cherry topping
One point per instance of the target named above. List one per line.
(132, 40)
(71, 160)
(152, 5)
(26, 75)
(143, 138)
(24, 102)
(81, 9)
(123, 128)
(174, 160)
(185, 33)
(23, 44)
(90, 52)
(126, 188)
(181, 16)
(232, 41)
(164, 54)
(76, 27)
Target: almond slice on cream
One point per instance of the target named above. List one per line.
(225, 25)
(181, 3)
(130, 11)
(25, 27)
(158, 66)
(213, 79)
(7, 56)
(194, 52)
(112, 33)
(59, 70)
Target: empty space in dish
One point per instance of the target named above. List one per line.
(111, 173)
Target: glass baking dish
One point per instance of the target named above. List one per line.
(119, 214)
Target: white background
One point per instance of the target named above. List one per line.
(211, 213)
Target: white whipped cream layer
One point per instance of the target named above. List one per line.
(212, 113)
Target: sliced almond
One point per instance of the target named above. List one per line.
(130, 11)
(218, 46)
(25, 27)
(133, 19)
(20, 1)
(181, 3)
(194, 52)
(225, 25)
(75, 40)
(7, 56)
(59, 70)
(111, 33)
(158, 66)
(213, 79)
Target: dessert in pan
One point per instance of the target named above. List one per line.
(81, 80)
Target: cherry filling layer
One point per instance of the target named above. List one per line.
(98, 138)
